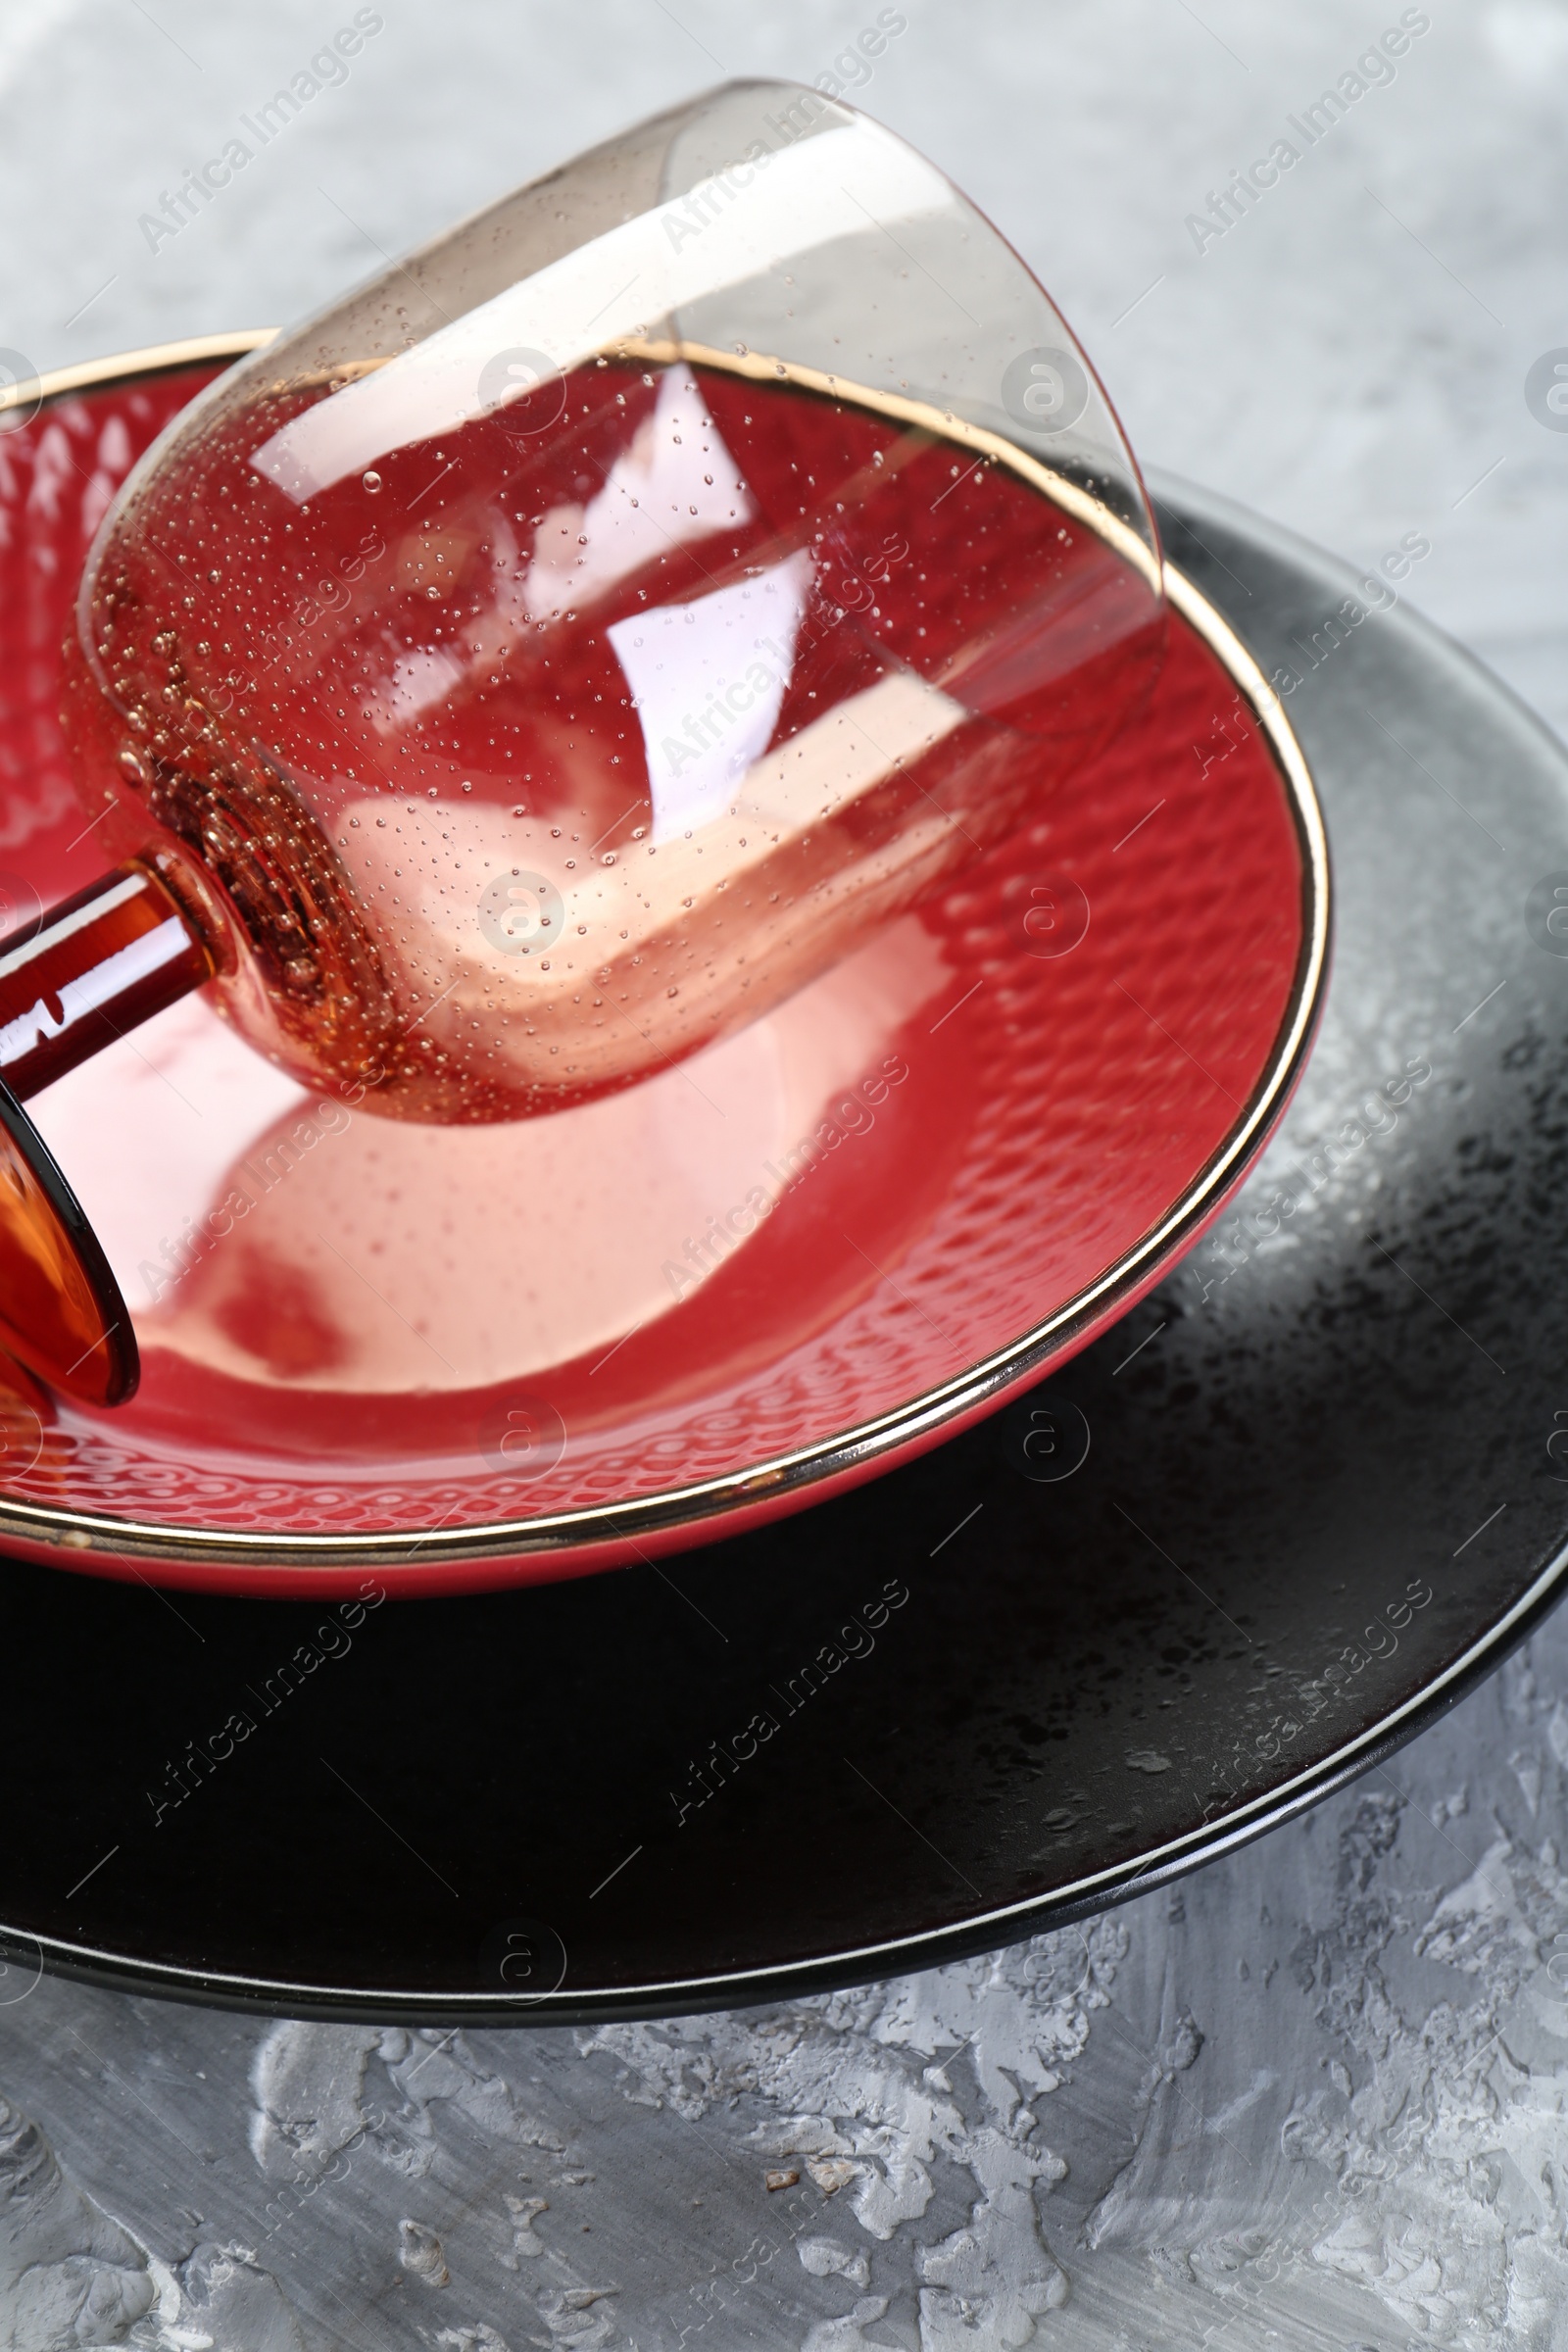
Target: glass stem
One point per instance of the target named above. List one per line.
(89, 969)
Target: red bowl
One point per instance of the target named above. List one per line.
(456, 1357)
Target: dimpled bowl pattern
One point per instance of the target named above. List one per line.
(1073, 1036)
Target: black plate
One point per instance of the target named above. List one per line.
(1258, 1534)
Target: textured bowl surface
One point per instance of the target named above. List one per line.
(476, 1354)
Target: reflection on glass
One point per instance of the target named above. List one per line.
(556, 653)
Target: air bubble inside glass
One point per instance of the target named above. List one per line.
(569, 645)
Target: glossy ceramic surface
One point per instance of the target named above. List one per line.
(1245, 1543)
(468, 1355)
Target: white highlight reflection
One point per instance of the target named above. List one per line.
(675, 483)
(708, 679)
(629, 278)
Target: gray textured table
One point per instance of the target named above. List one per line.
(1317, 2090)
(1316, 2096)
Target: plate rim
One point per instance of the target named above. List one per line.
(704, 1509)
(1087, 1897)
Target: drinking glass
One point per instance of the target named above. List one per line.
(566, 646)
